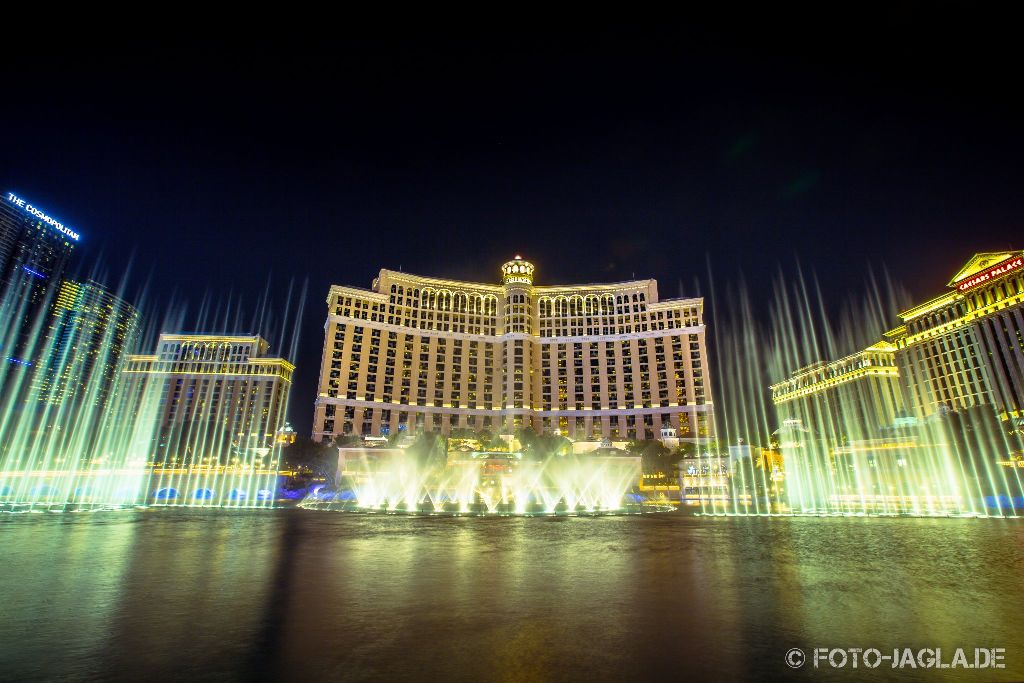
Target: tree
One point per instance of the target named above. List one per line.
(655, 457)
(485, 438)
(318, 460)
(686, 449)
(540, 447)
(527, 438)
(557, 444)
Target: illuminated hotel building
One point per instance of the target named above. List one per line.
(34, 251)
(90, 334)
(966, 347)
(857, 395)
(213, 396)
(597, 360)
(961, 349)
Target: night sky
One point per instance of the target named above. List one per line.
(836, 143)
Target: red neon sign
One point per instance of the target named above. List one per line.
(992, 273)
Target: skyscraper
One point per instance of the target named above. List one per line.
(91, 332)
(34, 251)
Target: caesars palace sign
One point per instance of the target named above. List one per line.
(992, 273)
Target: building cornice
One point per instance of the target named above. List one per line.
(213, 338)
(846, 370)
(335, 290)
(427, 281)
(541, 290)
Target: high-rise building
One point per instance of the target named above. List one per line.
(34, 251)
(91, 332)
(597, 360)
(214, 398)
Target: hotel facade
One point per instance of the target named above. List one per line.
(859, 395)
(586, 361)
(961, 349)
(213, 398)
(965, 347)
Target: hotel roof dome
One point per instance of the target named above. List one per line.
(517, 271)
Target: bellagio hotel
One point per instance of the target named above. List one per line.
(586, 361)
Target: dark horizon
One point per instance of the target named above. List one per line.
(599, 158)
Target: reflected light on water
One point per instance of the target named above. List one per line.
(290, 593)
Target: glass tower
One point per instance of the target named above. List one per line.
(34, 252)
(91, 331)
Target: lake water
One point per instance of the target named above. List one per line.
(295, 594)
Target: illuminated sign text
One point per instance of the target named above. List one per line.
(41, 215)
(992, 273)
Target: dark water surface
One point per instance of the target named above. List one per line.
(293, 594)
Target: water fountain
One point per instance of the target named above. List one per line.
(95, 447)
(75, 436)
(68, 439)
(468, 479)
(826, 454)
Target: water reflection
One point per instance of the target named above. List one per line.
(228, 594)
(61, 580)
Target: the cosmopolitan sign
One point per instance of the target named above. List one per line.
(41, 215)
(992, 273)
